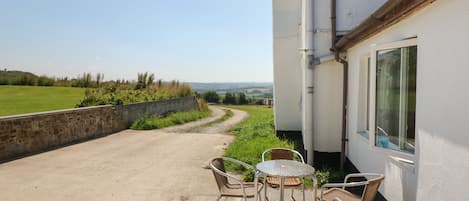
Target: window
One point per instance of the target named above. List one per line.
(396, 75)
(363, 98)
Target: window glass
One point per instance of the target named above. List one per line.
(396, 71)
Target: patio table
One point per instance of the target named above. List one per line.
(282, 169)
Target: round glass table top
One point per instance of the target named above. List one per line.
(285, 168)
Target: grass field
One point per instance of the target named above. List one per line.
(28, 99)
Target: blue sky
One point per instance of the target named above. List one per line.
(188, 40)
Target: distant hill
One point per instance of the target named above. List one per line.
(252, 89)
(10, 77)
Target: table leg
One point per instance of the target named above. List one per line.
(256, 180)
(315, 186)
(282, 188)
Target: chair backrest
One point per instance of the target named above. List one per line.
(371, 188)
(219, 164)
(282, 154)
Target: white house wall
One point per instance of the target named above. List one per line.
(289, 87)
(287, 69)
(327, 106)
(442, 108)
(327, 97)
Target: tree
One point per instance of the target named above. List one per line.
(142, 80)
(160, 83)
(229, 98)
(45, 81)
(242, 100)
(211, 97)
(99, 78)
(150, 80)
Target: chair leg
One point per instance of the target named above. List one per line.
(303, 188)
(292, 195)
(265, 192)
(219, 197)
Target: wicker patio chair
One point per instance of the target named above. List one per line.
(337, 192)
(289, 182)
(239, 188)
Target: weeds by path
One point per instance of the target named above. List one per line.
(253, 136)
(228, 114)
(152, 122)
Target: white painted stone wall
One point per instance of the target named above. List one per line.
(287, 69)
(442, 135)
(289, 89)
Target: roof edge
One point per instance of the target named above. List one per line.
(390, 13)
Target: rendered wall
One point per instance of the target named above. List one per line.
(289, 89)
(327, 106)
(287, 69)
(442, 138)
(31, 133)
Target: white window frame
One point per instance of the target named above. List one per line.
(366, 58)
(372, 100)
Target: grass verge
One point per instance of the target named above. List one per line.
(256, 134)
(152, 122)
(228, 114)
(253, 136)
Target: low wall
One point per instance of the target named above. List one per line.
(131, 112)
(21, 135)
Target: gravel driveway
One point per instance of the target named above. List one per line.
(156, 165)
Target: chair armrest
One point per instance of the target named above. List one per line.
(239, 162)
(360, 175)
(337, 185)
(263, 154)
(226, 175)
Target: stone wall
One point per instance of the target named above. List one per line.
(21, 135)
(131, 112)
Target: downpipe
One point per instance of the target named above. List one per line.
(344, 63)
(307, 52)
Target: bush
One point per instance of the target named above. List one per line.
(202, 105)
(118, 95)
(153, 122)
(45, 81)
(242, 100)
(211, 97)
(229, 99)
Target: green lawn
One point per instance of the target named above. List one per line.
(28, 99)
(253, 136)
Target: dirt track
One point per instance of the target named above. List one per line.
(156, 165)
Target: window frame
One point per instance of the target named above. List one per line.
(365, 64)
(372, 96)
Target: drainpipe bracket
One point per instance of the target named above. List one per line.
(310, 89)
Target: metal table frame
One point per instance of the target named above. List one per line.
(282, 169)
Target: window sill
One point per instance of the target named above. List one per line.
(365, 135)
(404, 163)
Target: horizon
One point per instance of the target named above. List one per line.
(204, 41)
(73, 77)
